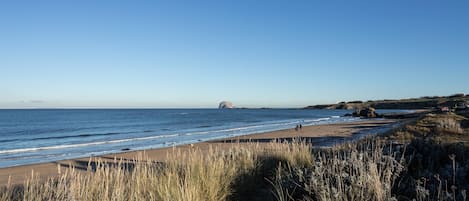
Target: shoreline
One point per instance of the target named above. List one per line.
(316, 134)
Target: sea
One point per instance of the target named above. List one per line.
(29, 136)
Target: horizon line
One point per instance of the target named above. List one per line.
(58, 108)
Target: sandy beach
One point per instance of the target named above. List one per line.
(315, 134)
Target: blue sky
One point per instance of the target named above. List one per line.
(253, 53)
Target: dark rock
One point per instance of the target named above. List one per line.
(367, 112)
(355, 101)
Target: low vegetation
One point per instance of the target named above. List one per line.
(436, 158)
(424, 160)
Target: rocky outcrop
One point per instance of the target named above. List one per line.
(367, 112)
(225, 105)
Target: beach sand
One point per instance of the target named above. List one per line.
(314, 134)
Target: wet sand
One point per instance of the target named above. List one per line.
(318, 135)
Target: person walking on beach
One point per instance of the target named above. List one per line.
(301, 127)
(297, 127)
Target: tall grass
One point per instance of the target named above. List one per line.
(298, 172)
(186, 176)
(191, 175)
(349, 172)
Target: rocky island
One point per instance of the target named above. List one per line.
(225, 105)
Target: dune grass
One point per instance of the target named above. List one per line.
(357, 171)
(436, 158)
(217, 175)
(194, 175)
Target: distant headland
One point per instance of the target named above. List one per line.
(425, 102)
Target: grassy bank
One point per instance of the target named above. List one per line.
(425, 160)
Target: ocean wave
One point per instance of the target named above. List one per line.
(225, 130)
(75, 136)
(180, 113)
(205, 126)
(281, 124)
(58, 137)
(32, 149)
(22, 157)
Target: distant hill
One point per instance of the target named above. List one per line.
(426, 102)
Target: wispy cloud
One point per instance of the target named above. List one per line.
(33, 101)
